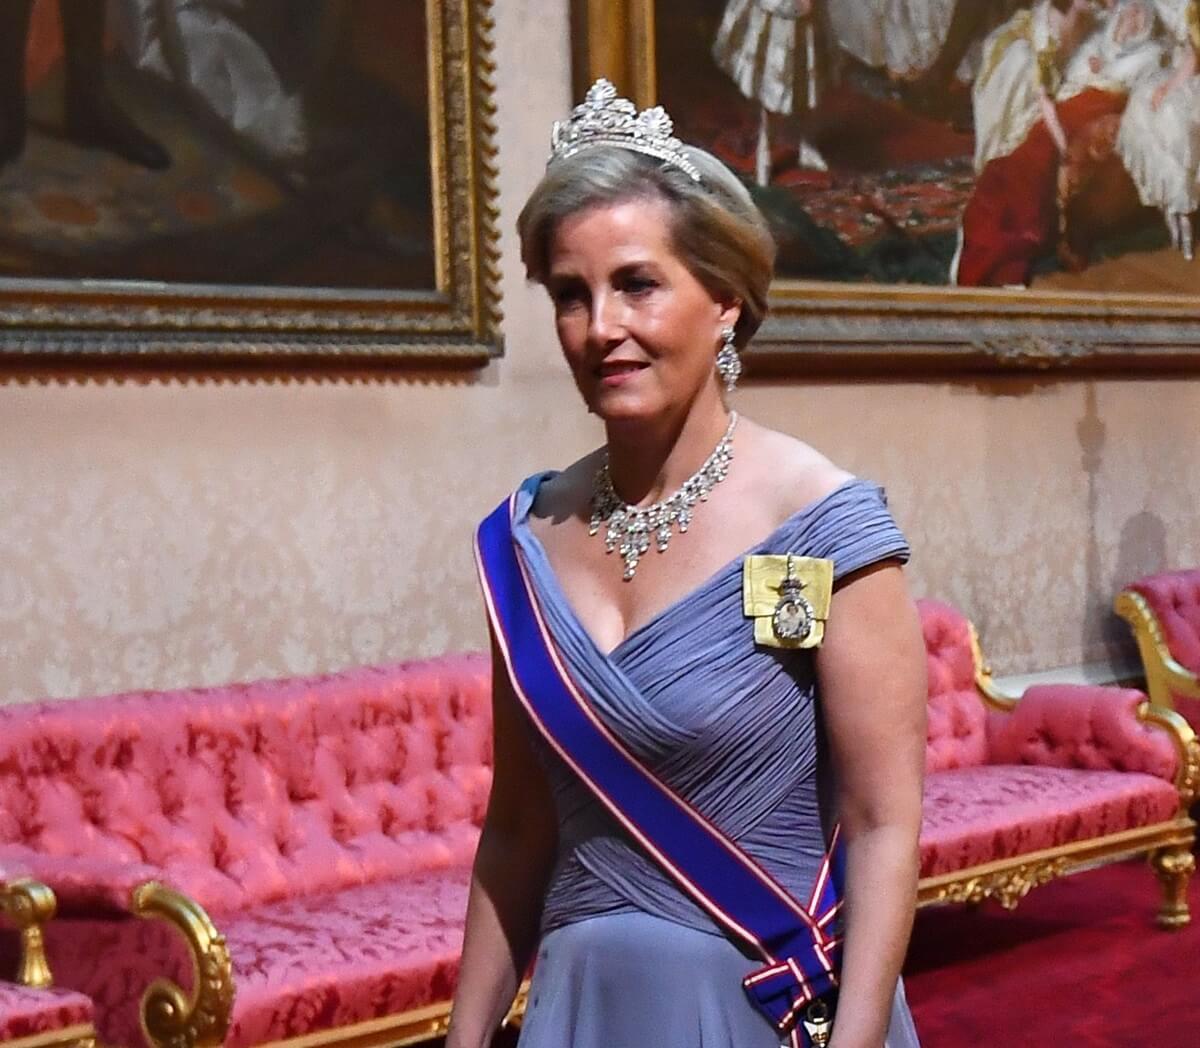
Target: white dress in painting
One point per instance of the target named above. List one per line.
(756, 45)
(1007, 95)
(253, 65)
(902, 37)
(1160, 144)
(1123, 52)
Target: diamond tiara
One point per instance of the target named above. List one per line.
(604, 118)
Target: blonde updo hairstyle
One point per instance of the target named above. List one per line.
(716, 229)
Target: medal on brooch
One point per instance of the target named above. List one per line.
(794, 616)
(788, 598)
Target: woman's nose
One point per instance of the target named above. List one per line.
(606, 320)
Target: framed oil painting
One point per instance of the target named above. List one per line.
(265, 182)
(952, 184)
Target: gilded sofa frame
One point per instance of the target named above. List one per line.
(28, 905)
(1166, 845)
(1165, 677)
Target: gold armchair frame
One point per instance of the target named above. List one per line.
(1166, 845)
(29, 904)
(1165, 677)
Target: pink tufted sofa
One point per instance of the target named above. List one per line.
(293, 856)
(1021, 791)
(1164, 613)
(34, 1014)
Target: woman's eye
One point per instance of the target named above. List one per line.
(565, 296)
(639, 285)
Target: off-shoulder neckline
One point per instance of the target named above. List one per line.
(521, 523)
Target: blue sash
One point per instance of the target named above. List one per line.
(797, 943)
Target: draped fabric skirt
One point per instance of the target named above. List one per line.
(630, 980)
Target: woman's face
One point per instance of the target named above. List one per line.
(1133, 22)
(639, 332)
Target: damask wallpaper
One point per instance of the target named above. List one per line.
(170, 534)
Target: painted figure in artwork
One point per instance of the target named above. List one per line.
(773, 51)
(902, 37)
(92, 117)
(1159, 138)
(1021, 131)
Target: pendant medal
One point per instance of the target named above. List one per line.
(817, 1023)
(794, 616)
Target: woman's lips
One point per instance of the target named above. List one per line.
(618, 372)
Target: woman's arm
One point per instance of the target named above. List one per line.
(508, 883)
(871, 670)
(1184, 71)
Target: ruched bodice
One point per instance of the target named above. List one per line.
(728, 725)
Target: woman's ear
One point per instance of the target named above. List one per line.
(731, 312)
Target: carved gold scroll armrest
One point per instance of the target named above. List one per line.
(1164, 675)
(991, 692)
(1187, 778)
(170, 1017)
(29, 905)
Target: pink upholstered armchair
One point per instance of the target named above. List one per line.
(33, 1014)
(1020, 791)
(1164, 613)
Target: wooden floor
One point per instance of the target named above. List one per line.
(1164, 271)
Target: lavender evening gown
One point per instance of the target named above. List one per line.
(626, 959)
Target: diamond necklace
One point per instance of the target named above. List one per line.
(630, 528)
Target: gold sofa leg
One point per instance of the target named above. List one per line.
(29, 905)
(1174, 866)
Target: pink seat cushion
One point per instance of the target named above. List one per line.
(977, 815)
(301, 965)
(318, 962)
(956, 734)
(1174, 597)
(25, 1011)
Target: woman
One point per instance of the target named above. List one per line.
(1022, 127)
(902, 37)
(658, 264)
(776, 53)
(1159, 137)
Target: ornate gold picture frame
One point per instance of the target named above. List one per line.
(863, 326)
(227, 218)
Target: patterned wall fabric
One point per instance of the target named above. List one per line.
(165, 536)
(170, 534)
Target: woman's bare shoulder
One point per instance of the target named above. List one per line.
(567, 492)
(796, 472)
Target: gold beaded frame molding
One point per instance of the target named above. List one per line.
(895, 329)
(378, 251)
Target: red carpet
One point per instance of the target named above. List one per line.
(1079, 963)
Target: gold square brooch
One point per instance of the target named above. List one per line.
(788, 597)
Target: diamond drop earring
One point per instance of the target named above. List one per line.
(729, 364)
